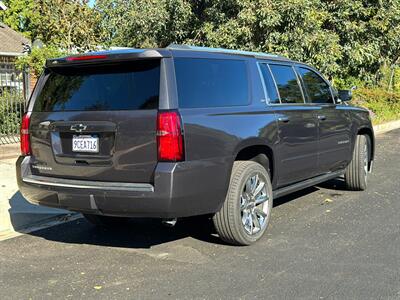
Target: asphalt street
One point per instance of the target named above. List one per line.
(322, 243)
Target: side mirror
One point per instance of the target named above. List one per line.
(345, 95)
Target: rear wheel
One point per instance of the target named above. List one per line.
(356, 176)
(106, 221)
(246, 212)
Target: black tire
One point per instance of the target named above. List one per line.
(229, 220)
(106, 221)
(356, 175)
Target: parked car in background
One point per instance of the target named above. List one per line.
(186, 131)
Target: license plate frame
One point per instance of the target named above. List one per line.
(85, 144)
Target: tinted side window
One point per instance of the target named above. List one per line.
(317, 89)
(286, 80)
(125, 86)
(211, 82)
(273, 96)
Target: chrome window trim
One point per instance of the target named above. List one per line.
(266, 96)
(291, 65)
(299, 82)
(81, 184)
(276, 86)
(294, 66)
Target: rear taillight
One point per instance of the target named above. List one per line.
(169, 136)
(25, 139)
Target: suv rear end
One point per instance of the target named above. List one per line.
(103, 135)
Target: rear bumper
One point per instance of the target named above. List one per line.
(179, 189)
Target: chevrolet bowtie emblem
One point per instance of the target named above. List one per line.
(78, 127)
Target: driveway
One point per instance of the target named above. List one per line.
(322, 243)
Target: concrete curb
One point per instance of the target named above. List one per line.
(44, 223)
(18, 216)
(385, 127)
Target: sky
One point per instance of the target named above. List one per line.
(91, 2)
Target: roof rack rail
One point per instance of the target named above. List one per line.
(221, 50)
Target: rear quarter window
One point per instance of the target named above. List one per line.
(211, 82)
(122, 86)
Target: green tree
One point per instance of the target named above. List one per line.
(63, 25)
(368, 34)
(144, 23)
(70, 25)
(292, 28)
(36, 60)
(66, 24)
(21, 16)
(348, 41)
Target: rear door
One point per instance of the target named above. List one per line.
(296, 150)
(333, 122)
(97, 122)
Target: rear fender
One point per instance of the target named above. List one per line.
(257, 142)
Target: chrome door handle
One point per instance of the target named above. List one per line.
(321, 117)
(283, 119)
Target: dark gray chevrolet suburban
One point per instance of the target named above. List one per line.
(186, 131)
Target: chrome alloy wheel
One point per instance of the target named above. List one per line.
(254, 204)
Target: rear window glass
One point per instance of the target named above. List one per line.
(123, 86)
(286, 80)
(211, 82)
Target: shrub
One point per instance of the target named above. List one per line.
(11, 109)
(384, 105)
(36, 60)
(348, 82)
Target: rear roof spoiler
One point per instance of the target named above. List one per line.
(108, 56)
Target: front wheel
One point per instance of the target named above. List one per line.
(356, 176)
(246, 212)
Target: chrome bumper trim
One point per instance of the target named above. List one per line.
(83, 184)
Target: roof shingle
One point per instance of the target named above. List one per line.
(11, 41)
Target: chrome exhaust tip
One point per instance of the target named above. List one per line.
(169, 222)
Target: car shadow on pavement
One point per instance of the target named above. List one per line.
(337, 184)
(146, 233)
(282, 200)
(20, 214)
(137, 233)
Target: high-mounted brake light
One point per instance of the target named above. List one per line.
(169, 136)
(25, 138)
(85, 57)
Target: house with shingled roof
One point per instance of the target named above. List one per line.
(15, 85)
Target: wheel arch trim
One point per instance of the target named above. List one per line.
(370, 132)
(253, 143)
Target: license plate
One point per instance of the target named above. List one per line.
(85, 143)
